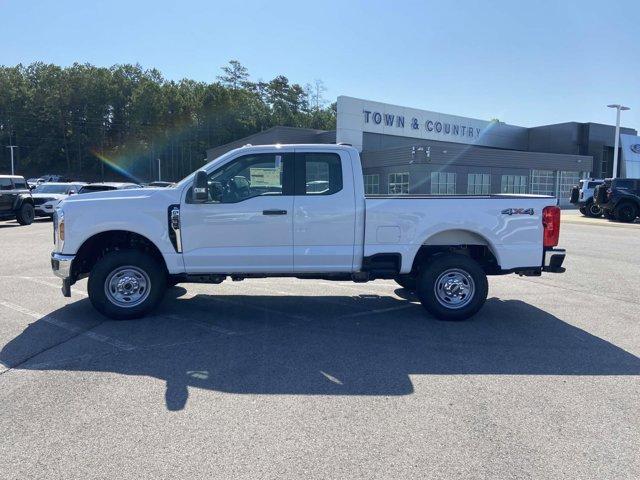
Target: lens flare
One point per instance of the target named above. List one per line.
(114, 164)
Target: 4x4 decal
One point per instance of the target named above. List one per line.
(517, 211)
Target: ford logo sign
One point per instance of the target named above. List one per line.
(635, 148)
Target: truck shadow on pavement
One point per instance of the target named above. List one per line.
(310, 345)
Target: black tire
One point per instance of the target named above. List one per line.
(26, 214)
(583, 211)
(609, 215)
(458, 269)
(140, 263)
(626, 212)
(593, 210)
(408, 282)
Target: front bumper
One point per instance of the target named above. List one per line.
(553, 259)
(61, 266)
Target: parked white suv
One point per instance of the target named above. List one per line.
(582, 197)
(298, 211)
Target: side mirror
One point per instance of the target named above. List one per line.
(200, 187)
(72, 192)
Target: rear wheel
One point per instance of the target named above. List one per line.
(626, 212)
(26, 214)
(452, 287)
(583, 211)
(126, 284)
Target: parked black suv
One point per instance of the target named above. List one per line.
(15, 200)
(619, 198)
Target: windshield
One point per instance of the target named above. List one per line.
(52, 188)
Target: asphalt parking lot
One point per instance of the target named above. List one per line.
(282, 378)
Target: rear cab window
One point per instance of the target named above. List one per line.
(318, 173)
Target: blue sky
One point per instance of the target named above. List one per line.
(526, 63)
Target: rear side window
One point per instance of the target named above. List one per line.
(594, 184)
(318, 173)
(5, 184)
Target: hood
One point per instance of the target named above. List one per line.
(124, 195)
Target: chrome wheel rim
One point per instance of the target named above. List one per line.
(454, 288)
(595, 210)
(127, 286)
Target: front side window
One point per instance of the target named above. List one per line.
(20, 184)
(443, 183)
(399, 183)
(247, 177)
(322, 173)
(372, 184)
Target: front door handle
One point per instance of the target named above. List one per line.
(274, 212)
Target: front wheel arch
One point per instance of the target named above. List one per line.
(99, 244)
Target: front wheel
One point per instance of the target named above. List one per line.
(26, 214)
(452, 287)
(126, 284)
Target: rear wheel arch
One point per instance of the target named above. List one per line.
(463, 242)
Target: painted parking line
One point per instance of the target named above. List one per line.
(41, 281)
(207, 326)
(376, 311)
(70, 328)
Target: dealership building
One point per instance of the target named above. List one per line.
(410, 151)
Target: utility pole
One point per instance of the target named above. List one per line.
(159, 170)
(618, 108)
(12, 147)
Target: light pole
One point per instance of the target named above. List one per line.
(12, 147)
(618, 108)
(159, 170)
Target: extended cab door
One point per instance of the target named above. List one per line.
(247, 224)
(324, 211)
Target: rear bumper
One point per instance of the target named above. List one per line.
(553, 260)
(61, 266)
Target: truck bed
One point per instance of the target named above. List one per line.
(509, 225)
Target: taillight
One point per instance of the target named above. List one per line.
(550, 226)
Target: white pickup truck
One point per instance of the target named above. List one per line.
(297, 211)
